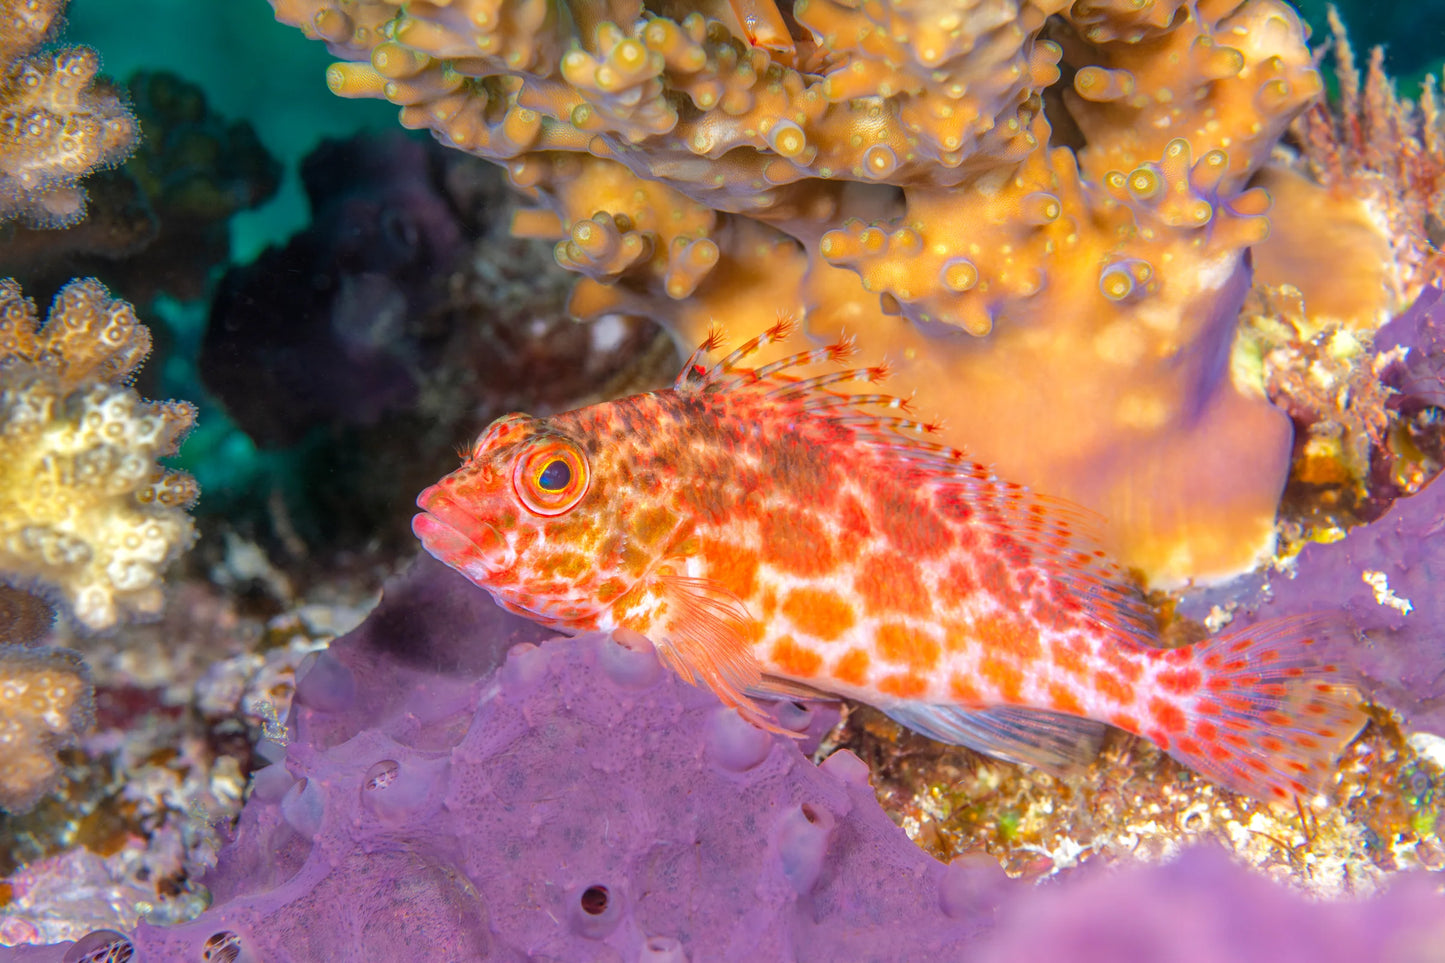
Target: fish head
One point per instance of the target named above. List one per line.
(540, 516)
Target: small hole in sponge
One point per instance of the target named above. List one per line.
(222, 947)
(809, 813)
(594, 900)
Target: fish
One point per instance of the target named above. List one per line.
(776, 536)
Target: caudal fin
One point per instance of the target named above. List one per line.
(1273, 708)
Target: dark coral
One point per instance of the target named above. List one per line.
(337, 326)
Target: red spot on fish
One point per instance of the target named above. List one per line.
(1179, 681)
(818, 613)
(1009, 636)
(903, 685)
(852, 668)
(735, 566)
(906, 645)
(962, 690)
(1112, 689)
(795, 660)
(887, 583)
(1003, 675)
(1125, 721)
(795, 543)
(1167, 715)
(1063, 699)
(1128, 669)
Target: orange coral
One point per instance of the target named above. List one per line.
(1038, 209)
(85, 510)
(56, 123)
(44, 706)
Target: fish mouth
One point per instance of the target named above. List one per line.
(454, 535)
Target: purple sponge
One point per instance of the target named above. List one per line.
(581, 803)
(573, 800)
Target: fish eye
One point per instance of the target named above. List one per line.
(551, 476)
(555, 477)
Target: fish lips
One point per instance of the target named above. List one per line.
(454, 535)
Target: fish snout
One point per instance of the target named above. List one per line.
(456, 536)
(427, 498)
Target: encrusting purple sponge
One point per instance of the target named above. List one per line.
(580, 803)
(457, 787)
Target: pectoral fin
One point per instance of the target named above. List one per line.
(707, 636)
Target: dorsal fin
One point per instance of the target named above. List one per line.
(1057, 535)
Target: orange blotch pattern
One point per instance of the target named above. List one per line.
(889, 583)
(958, 585)
(651, 524)
(1167, 715)
(1125, 667)
(1006, 636)
(1069, 657)
(852, 518)
(1063, 699)
(1125, 721)
(820, 614)
(852, 668)
(796, 544)
(1003, 675)
(904, 685)
(963, 691)
(911, 647)
(794, 660)
(907, 522)
(1113, 689)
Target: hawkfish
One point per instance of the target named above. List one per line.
(779, 536)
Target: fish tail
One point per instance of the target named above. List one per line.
(1266, 710)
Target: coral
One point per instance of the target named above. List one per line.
(57, 122)
(1052, 197)
(23, 617)
(85, 510)
(161, 221)
(44, 706)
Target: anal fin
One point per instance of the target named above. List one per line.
(1036, 737)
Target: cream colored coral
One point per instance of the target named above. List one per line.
(85, 510)
(44, 706)
(56, 123)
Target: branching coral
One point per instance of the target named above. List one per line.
(85, 510)
(56, 122)
(1054, 195)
